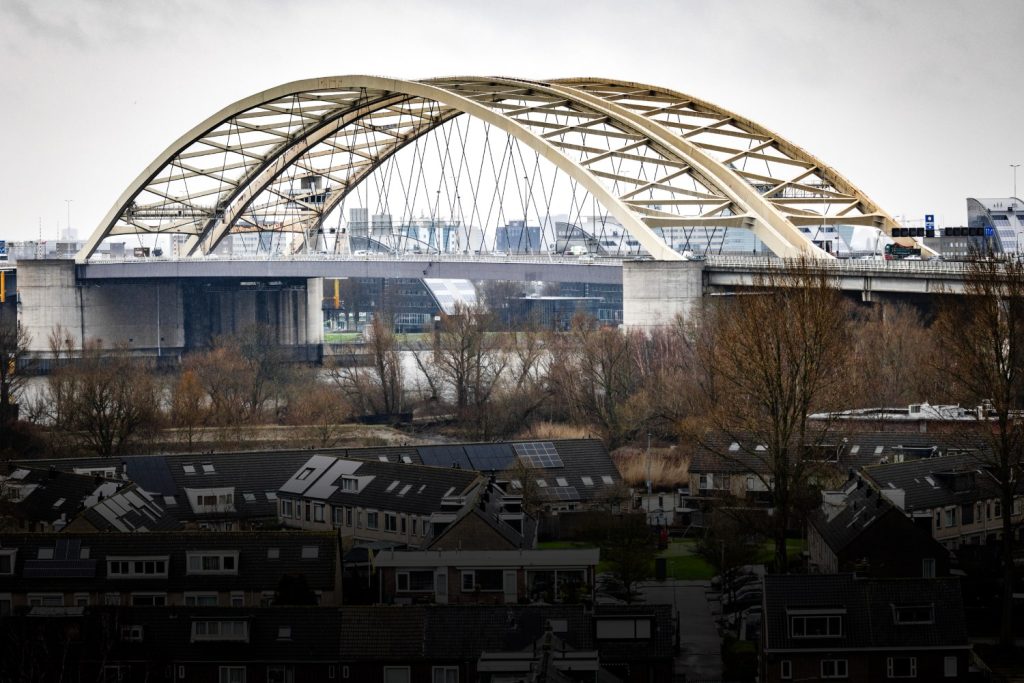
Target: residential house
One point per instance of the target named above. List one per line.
(145, 645)
(837, 626)
(455, 644)
(486, 576)
(956, 493)
(166, 569)
(373, 500)
(859, 529)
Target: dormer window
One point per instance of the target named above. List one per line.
(349, 484)
(220, 630)
(213, 562)
(208, 468)
(284, 632)
(816, 623)
(913, 614)
(189, 469)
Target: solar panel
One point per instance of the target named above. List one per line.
(540, 454)
(60, 569)
(152, 474)
(444, 456)
(492, 457)
(565, 493)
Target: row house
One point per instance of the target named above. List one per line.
(954, 495)
(486, 576)
(168, 569)
(206, 644)
(462, 643)
(373, 501)
(821, 626)
(741, 467)
(859, 529)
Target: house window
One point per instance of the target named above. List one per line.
(7, 561)
(231, 674)
(81, 599)
(310, 552)
(913, 614)
(445, 674)
(220, 630)
(149, 599)
(206, 599)
(938, 519)
(349, 484)
(237, 599)
(751, 483)
(414, 531)
(928, 568)
(372, 520)
(901, 667)
(396, 674)
(283, 674)
(273, 553)
(6, 602)
(834, 668)
(951, 517)
(213, 562)
(949, 667)
(623, 629)
(111, 598)
(486, 580)
(318, 512)
(390, 522)
(337, 516)
(786, 669)
(967, 514)
(816, 625)
(348, 516)
(997, 508)
(46, 599)
(142, 567)
(287, 508)
(415, 581)
(402, 526)
(304, 474)
(132, 633)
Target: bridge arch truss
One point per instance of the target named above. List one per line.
(655, 159)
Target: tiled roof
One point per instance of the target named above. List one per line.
(842, 450)
(931, 483)
(867, 607)
(256, 571)
(54, 493)
(398, 487)
(862, 507)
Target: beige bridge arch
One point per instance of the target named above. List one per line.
(654, 158)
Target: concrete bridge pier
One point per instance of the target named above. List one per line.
(655, 292)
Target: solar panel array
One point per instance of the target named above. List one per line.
(490, 457)
(444, 456)
(65, 563)
(152, 474)
(540, 454)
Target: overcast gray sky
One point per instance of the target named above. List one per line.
(920, 103)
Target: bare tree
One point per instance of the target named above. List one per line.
(592, 369)
(772, 356)
(982, 335)
(108, 397)
(379, 388)
(14, 343)
(471, 361)
(323, 411)
(189, 408)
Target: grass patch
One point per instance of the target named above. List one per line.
(563, 545)
(689, 568)
(342, 337)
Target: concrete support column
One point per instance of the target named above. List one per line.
(314, 313)
(655, 292)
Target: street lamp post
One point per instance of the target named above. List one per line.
(1013, 169)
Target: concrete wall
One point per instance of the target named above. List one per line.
(655, 292)
(142, 316)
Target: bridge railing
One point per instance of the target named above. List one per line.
(396, 258)
(852, 266)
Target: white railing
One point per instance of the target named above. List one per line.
(388, 258)
(933, 267)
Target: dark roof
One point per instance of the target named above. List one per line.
(255, 570)
(129, 509)
(398, 487)
(868, 620)
(54, 493)
(843, 450)
(862, 507)
(935, 482)
(487, 506)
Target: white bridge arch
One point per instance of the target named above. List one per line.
(652, 157)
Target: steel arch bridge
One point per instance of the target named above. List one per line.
(653, 158)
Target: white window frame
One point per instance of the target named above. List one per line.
(318, 512)
(132, 567)
(836, 673)
(828, 616)
(147, 594)
(237, 633)
(408, 584)
(81, 600)
(950, 666)
(390, 522)
(40, 599)
(471, 573)
(786, 669)
(132, 633)
(237, 599)
(890, 667)
(376, 520)
(203, 554)
(287, 508)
